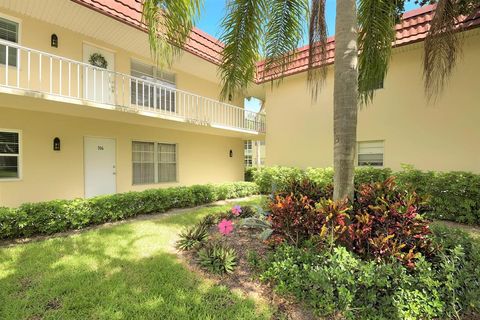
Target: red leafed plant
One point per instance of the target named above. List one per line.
(298, 218)
(386, 223)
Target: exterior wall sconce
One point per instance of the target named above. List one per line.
(54, 41)
(230, 97)
(56, 144)
(231, 153)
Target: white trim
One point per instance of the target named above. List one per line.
(20, 155)
(16, 20)
(366, 141)
(83, 157)
(155, 162)
(19, 36)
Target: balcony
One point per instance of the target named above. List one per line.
(58, 78)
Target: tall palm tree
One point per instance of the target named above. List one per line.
(275, 28)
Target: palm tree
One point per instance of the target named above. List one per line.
(275, 29)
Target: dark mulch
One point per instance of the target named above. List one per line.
(245, 279)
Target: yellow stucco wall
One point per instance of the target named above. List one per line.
(443, 135)
(34, 33)
(47, 174)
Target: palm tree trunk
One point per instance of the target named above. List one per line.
(345, 95)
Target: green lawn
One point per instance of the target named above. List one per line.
(127, 271)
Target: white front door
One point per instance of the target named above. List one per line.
(100, 166)
(98, 83)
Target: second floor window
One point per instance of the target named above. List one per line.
(8, 32)
(153, 89)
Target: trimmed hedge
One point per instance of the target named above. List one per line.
(453, 196)
(61, 215)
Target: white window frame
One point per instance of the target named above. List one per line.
(358, 149)
(19, 35)
(157, 79)
(19, 155)
(155, 161)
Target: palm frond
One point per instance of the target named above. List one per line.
(442, 48)
(242, 35)
(317, 50)
(169, 23)
(376, 20)
(284, 33)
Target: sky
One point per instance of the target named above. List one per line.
(214, 11)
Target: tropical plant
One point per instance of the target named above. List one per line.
(192, 237)
(217, 258)
(276, 28)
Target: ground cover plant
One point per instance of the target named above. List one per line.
(124, 271)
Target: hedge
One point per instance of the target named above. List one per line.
(453, 196)
(61, 215)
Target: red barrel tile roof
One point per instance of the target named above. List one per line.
(413, 28)
(130, 12)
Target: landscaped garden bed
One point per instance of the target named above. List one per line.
(377, 258)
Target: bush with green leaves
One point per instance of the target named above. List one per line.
(61, 215)
(339, 283)
(453, 196)
(193, 237)
(217, 257)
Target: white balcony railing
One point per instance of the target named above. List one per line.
(37, 71)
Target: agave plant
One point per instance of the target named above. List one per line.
(217, 258)
(192, 237)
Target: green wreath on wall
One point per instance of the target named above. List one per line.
(97, 60)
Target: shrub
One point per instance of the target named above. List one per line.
(297, 218)
(338, 283)
(451, 196)
(250, 173)
(386, 223)
(192, 237)
(457, 267)
(61, 215)
(217, 258)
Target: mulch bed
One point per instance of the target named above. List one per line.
(244, 279)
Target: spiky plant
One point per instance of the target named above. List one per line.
(217, 258)
(192, 238)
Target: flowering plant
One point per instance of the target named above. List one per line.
(236, 210)
(225, 227)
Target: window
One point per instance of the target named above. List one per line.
(155, 89)
(154, 162)
(248, 161)
(8, 32)
(370, 153)
(9, 154)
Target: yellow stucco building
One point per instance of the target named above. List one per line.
(84, 111)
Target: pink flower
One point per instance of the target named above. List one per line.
(236, 210)
(225, 227)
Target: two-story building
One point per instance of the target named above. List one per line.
(84, 111)
(401, 126)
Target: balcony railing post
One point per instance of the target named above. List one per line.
(163, 100)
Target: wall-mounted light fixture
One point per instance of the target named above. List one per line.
(54, 41)
(231, 153)
(56, 144)
(230, 97)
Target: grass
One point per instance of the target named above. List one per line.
(124, 271)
